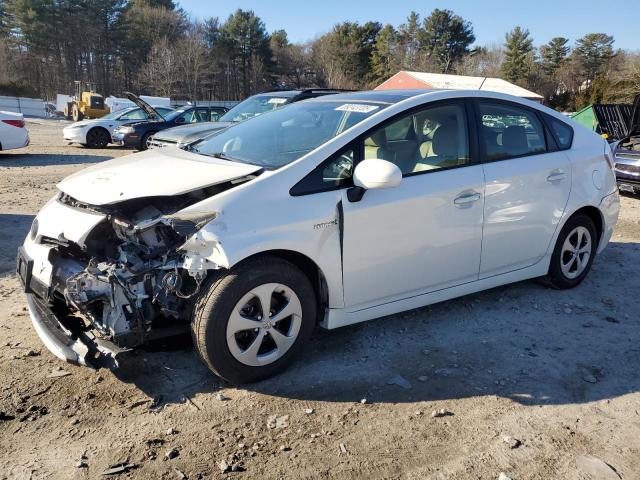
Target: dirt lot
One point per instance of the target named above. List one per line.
(557, 371)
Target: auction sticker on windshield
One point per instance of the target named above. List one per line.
(277, 101)
(354, 107)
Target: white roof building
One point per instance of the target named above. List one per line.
(410, 80)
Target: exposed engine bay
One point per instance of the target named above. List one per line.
(631, 143)
(131, 281)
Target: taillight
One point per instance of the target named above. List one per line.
(14, 123)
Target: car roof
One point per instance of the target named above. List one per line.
(379, 96)
(305, 92)
(279, 93)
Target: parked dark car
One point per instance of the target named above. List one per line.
(248, 108)
(627, 153)
(137, 135)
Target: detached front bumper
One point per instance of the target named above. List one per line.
(68, 337)
(79, 348)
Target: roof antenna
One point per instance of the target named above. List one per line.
(483, 80)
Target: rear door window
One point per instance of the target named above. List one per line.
(215, 115)
(508, 131)
(190, 116)
(202, 115)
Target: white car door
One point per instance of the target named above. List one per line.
(527, 186)
(425, 234)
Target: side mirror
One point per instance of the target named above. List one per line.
(376, 173)
(180, 120)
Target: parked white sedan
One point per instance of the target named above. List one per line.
(98, 132)
(328, 212)
(13, 132)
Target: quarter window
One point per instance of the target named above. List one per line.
(509, 131)
(562, 132)
(430, 139)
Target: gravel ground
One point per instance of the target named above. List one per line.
(534, 383)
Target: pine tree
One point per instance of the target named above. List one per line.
(4, 27)
(594, 51)
(410, 39)
(446, 38)
(519, 47)
(384, 55)
(554, 54)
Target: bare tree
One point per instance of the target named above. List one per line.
(191, 59)
(160, 74)
(482, 62)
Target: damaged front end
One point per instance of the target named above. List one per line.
(129, 280)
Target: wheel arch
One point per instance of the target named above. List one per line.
(594, 214)
(307, 266)
(99, 127)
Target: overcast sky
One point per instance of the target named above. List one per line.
(305, 19)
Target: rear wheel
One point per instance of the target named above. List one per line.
(98, 138)
(252, 321)
(574, 252)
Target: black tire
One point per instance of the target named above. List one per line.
(97, 138)
(220, 296)
(145, 141)
(68, 108)
(556, 278)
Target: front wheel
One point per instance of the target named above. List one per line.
(145, 143)
(250, 322)
(98, 138)
(76, 113)
(574, 253)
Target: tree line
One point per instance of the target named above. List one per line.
(153, 47)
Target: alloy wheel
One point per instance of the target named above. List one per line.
(264, 324)
(576, 251)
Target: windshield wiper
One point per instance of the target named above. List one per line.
(223, 156)
(220, 155)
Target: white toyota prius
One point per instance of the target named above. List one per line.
(328, 212)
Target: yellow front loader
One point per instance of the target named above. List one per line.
(85, 103)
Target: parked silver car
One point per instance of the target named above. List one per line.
(248, 108)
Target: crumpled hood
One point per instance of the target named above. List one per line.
(196, 130)
(151, 173)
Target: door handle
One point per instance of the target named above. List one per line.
(556, 176)
(466, 199)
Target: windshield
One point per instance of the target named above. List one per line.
(117, 113)
(253, 106)
(282, 136)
